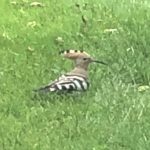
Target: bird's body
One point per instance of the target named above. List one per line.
(66, 83)
(75, 80)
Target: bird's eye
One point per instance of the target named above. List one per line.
(85, 58)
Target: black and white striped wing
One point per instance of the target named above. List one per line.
(67, 83)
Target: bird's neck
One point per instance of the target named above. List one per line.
(79, 71)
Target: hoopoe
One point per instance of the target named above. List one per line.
(76, 79)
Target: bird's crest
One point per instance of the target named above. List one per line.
(74, 54)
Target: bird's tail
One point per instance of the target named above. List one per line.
(45, 89)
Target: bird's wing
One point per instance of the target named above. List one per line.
(66, 83)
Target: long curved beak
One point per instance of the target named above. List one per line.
(100, 62)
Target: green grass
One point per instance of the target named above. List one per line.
(112, 114)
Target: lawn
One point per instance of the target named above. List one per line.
(114, 114)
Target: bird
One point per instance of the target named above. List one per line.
(77, 78)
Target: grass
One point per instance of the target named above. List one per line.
(113, 114)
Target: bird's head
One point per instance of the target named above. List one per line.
(81, 58)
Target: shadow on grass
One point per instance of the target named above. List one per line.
(58, 97)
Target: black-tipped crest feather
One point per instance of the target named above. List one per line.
(70, 51)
